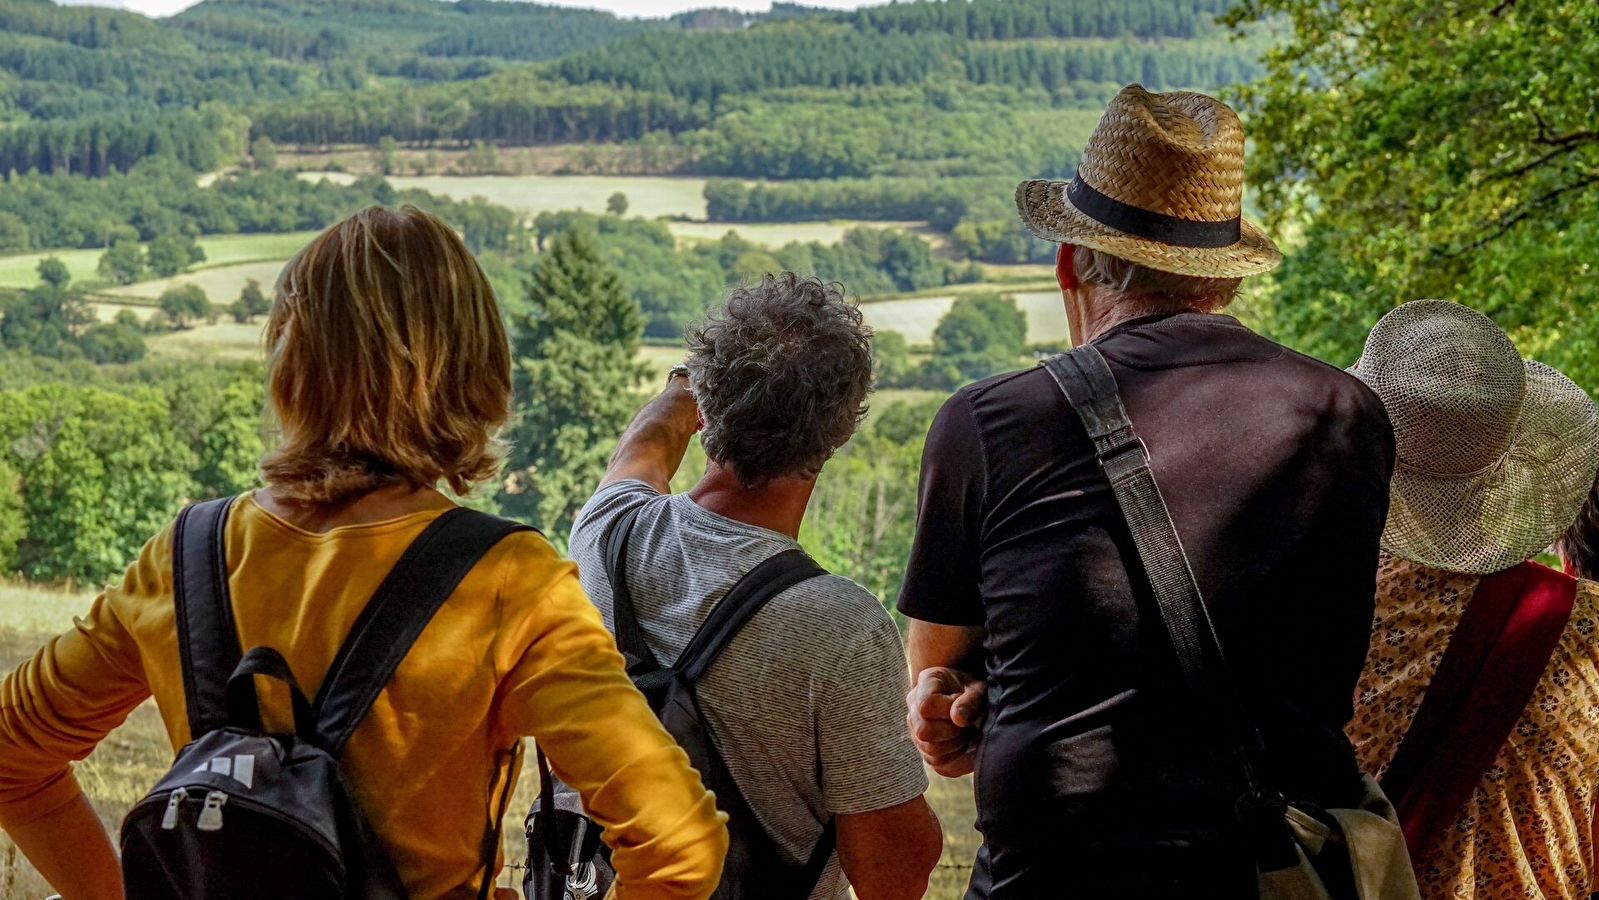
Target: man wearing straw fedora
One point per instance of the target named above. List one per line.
(1041, 658)
(1478, 702)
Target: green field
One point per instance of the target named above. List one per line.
(136, 755)
(648, 196)
(220, 251)
(23, 271)
(914, 317)
(221, 284)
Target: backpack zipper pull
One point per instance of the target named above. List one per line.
(211, 815)
(169, 820)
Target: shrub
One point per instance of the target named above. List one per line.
(112, 342)
(184, 304)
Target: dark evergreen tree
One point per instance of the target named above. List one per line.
(576, 376)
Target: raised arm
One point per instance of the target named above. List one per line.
(652, 447)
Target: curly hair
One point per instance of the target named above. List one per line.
(780, 370)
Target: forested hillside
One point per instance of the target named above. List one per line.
(386, 34)
(132, 148)
(926, 106)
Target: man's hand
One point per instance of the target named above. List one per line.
(652, 447)
(945, 715)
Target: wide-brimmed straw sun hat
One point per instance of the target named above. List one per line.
(1496, 453)
(1161, 184)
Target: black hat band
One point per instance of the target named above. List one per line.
(1153, 226)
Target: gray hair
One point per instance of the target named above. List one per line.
(780, 370)
(1158, 291)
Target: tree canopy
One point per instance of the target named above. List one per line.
(575, 375)
(1409, 149)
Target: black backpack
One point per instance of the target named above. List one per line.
(566, 859)
(245, 815)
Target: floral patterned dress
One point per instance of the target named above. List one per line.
(1527, 833)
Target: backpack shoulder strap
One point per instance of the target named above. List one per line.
(629, 635)
(1090, 387)
(426, 575)
(772, 577)
(1491, 666)
(208, 640)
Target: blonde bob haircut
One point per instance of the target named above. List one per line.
(388, 362)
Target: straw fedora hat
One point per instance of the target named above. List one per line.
(1161, 184)
(1496, 454)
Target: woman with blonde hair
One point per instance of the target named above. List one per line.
(389, 375)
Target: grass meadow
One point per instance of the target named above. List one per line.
(224, 251)
(915, 317)
(134, 757)
(221, 284)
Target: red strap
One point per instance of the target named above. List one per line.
(1494, 661)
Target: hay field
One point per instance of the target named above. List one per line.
(776, 234)
(916, 317)
(648, 196)
(136, 755)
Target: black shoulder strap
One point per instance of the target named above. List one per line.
(772, 577)
(629, 636)
(395, 617)
(1090, 387)
(817, 864)
(743, 600)
(208, 640)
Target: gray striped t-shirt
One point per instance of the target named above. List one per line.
(806, 703)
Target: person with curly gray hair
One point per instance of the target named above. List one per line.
(805, 702)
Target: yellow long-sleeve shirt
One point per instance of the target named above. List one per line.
(518, 650)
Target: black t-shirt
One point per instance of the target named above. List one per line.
(1275, 467)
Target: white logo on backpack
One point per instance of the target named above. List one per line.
(240, 768)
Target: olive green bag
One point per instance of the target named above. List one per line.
(1348, 854)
